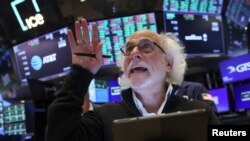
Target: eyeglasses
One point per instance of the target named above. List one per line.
(144, 46)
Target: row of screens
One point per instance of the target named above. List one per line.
(36, 58)
(241, 98)
(102, 91)
(193, 6)
(237, 11)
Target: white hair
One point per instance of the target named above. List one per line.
(174, 49)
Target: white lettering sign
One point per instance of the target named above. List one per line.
(34, 21)
(49, 58)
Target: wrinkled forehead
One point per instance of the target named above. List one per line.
(144, 34)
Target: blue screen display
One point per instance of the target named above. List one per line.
(220, 97)
(242, 97)
(235, 69)
(104, 91)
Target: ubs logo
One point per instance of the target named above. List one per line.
(30, 22)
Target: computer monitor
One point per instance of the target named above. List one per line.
(18, 119)
(195, 6)
(202, 35)
(8, 75)
(239, 12)
(114, 91)
(45, 57)
(104, 91)
(235, 69)
(221, 99)
(236, 39)
(7, 72)
(242, 97)
(114, 32)
(1, 119)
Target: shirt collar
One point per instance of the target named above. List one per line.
(141, 108)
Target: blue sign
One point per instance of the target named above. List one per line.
(220, 97)
(242, 97)
(235, 69)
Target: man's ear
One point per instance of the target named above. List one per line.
(169, 64)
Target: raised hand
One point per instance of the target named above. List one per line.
(86, 53)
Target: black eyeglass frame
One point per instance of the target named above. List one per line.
(121, 49)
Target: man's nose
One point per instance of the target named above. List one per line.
(135, 53)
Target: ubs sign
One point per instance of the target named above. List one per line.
(30, 22)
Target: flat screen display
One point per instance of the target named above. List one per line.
(239, 12)
(6, 69)
(237, 39)
(1, 119)
(242, 97)
(14, 120)
(8, 75)
(201, 34)
(193, 6)
(220, 97)
(104, 91)
(113, 33)
(44, 57)
(235, 69)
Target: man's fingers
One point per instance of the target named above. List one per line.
(99, 52)
(95, 37)
(85, 30)
(79, 38)
(72, 41)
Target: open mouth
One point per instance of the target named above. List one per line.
(138, 70)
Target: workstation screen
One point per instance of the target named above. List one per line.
(242, 97)
(45, 57)
(193, 6)
(236, 39)
(235, 69)
(220, 98)
(114, 32)
(14, 120)
(104, 91)
(202, 35)
(239, 12)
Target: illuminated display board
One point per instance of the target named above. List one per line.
(242, 97)
(14, 119)
(236, 39)
(103, 91)
(37, 58)
(193, 6)
(113, 33)
(221, 100)
(235, 69)
(1, 118)
(239, 12)
(45, 57)
(199, 33)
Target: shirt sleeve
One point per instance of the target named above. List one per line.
(64, 121)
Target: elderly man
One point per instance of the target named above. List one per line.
(153, 64)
